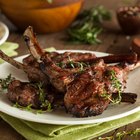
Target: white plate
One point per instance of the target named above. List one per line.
(60, 117)
(4, 33)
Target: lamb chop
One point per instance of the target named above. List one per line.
(59, 77)
(20, 92)
(90, 93)
(35, 95)
(23, 93)
(87, 93)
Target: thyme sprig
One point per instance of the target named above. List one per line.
(80, 65)
(73, 64)
(29, 108)
(87, 26)
(105, 95)
(116, 84)
(5, 82)
(121, 135)
(42, 97)
(61, 64)
(41, 92)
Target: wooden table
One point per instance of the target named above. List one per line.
(114, 41)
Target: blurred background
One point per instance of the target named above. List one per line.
(50, 15)
(68, 25)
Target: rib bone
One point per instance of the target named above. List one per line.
(32, 43)
(34, 74)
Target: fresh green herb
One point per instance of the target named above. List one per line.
(44, 103)
(40, 111)
(60, 64)
(87, 26)
(47, 104)
(80, 65)
(121, 135)
(41, 92)
(28, 108)
(42, 97)
(71, 62)
(5, 82)
(116, 84)
(105, 95)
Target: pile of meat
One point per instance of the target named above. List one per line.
(80, 82)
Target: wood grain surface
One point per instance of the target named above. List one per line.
(113, 41)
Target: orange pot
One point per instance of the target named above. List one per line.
(34, 12)
(35, 3)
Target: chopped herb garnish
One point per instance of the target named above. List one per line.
(60, 64)
(116, 84)
(45, 105)
(5, 82)
(42, 97)
(121, 135)
(71, 62)
(41, 92)
(87, 26)
(107, 96)
(28, 108)
(80, 65)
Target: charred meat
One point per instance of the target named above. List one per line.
(87, 94)
(36, 95)
(81, 82)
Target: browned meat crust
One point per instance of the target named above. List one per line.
(84, 94)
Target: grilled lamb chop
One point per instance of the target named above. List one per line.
(25, 94)
(87, 94)
(59, 77)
